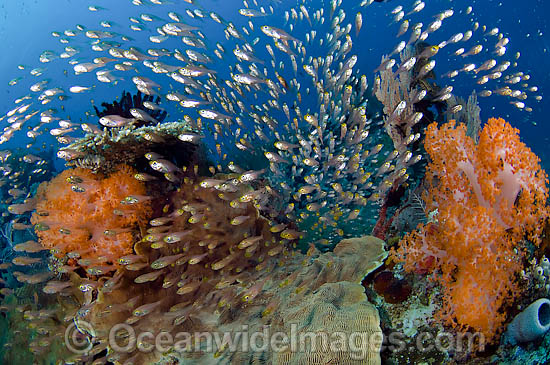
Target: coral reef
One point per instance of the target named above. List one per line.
(102, 151)
(531, 353)
(239, 219)
(91, 216)
(487, 198)
(536, 277)
(200, 256)
(408, 325)
(207, 265)
(310, 294)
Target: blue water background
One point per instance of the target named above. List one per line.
(26, 26)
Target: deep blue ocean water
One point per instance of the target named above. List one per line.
(26, 26)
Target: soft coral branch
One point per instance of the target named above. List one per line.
(488, 197)
(93, 219)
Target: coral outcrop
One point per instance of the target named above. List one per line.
(305, 295)
(316, 305)
(103, 150)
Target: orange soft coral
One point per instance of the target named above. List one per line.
(486, 199)
(81, 211)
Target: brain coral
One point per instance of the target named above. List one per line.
(314, 296)
(83, 212)
(335, 310)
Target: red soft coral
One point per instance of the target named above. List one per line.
(488, 197)
(93, 222)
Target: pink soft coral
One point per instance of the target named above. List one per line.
(93, 222)
(488, 197)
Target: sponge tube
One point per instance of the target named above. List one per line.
(532, 323)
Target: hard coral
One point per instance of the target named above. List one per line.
(105, 150)
(487, 198)
(307, 294)
(83, 212)
(334, 309)
(316, 298)
(214, 263)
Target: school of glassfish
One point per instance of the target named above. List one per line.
(297, 155)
